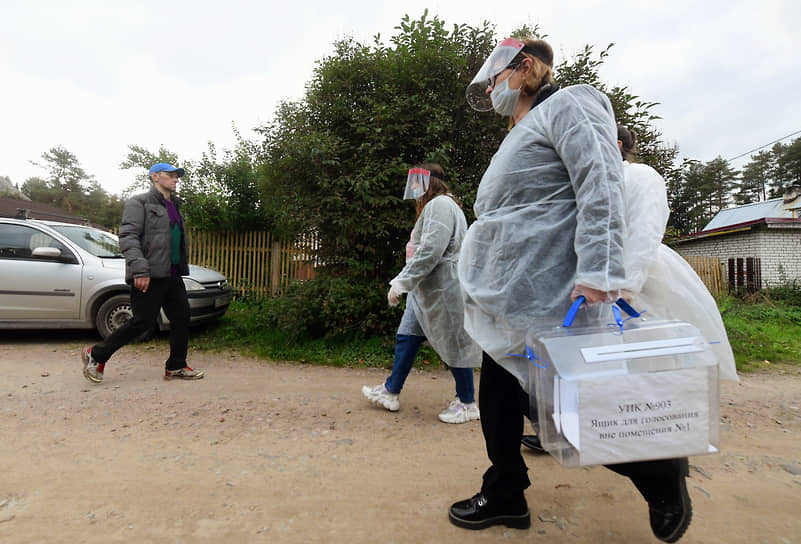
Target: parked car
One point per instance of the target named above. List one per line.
(60, 275)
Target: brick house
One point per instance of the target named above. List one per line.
(758, 245)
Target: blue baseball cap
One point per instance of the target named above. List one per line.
(164, 167)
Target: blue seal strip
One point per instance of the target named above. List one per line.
(531, 357)
(618, 317)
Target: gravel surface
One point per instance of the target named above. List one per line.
(263, 451)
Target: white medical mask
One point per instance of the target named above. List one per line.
(416, 193)
(504, 99)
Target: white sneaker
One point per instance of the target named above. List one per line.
(379, 395)
(459, 412)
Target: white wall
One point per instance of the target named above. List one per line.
(777, 246)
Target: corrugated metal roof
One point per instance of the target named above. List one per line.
(774, 208)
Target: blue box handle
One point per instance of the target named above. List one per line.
(625, 306)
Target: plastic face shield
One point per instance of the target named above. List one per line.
(416, 183)
(499, 59)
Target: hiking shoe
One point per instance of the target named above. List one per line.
(184, 373)
(92, 370)
(379, 395)
(478, 512)
(459, 412)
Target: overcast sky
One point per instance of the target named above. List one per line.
(97, 76)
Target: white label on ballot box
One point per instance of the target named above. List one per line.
(635, 416)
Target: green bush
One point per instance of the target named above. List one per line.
(788, 292)
(248, 328)
(330, 307)
(285, 329)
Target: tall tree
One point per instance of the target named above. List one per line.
(682, 198)
(790, 164)
(696, 195)
(65, 177)
(39, 190)
(140, 160)
(220, 191)
(699, 192)
(780, 178)
(69, 187)
(336, 161)
(223, 191)
(721, 180)
(756, 178)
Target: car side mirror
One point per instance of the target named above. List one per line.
(46, 252)
(55, 254)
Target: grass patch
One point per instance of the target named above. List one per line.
(242, 329)
(762, 332)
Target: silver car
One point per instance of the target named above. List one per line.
(61, 275)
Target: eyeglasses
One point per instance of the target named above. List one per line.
(494, 78)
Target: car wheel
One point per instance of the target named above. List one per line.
(113, 314)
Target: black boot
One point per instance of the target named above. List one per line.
(670, 519)
(669, 507)
(532, 442)
(479, 513)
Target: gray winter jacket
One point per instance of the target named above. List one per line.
(145, 237)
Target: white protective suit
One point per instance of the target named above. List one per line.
(430, 277)
(549, 215)
(663, 284)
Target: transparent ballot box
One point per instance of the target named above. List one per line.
(626, 391)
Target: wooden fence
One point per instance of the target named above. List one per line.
(260, 266)
(710, 270)
(254, 262)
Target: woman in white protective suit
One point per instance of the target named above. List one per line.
(434, 307)
(662, 283)
(549, 228)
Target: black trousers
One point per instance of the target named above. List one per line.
(504, 408)
(168, 293)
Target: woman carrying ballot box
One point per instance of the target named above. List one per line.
(549, 228)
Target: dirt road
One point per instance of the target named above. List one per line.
(276, 452)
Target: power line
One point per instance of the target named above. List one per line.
(763, 146)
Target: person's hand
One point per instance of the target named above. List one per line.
(142, 283)
(393, 297)
(593, 296)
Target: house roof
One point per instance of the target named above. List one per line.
(9, 207)
(774, 213)
(769, 209)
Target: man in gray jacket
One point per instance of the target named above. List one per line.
(153, 241)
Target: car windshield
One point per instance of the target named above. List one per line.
(97, 242)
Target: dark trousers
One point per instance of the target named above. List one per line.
(504, 406)
(168, 293)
